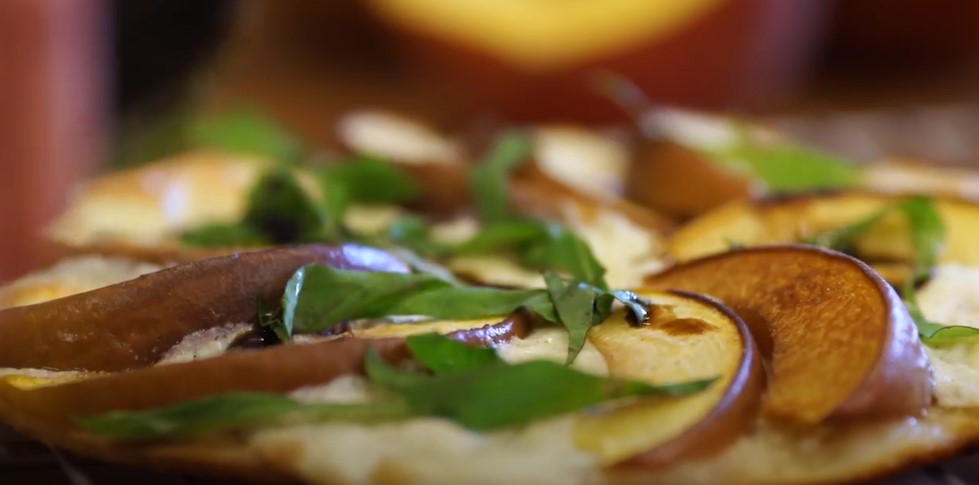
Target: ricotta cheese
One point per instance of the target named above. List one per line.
(952, 297)
(437, 451)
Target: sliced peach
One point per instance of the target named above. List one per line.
(133, 323)
(840, 340)
(796, 218)
(682, 182)
(689, 337)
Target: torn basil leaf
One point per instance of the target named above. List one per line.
(564, 251)
(574, 304)
(226, 412)
(784, 166)
(271, 320)
(247, 132)
(927, 233)
(844, 238)
(414, 233)
(279, 212)
(488, 180)
(443, 355)
(365, 180)
(485, 394)
(318, 296)
(580, 306)
(510, 235)
(280, 208)
(471, 386)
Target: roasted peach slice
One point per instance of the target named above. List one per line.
(796, 218)
(688, 337)
(840, 341)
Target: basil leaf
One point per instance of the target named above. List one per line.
(443, 355)
(367, 180)
(420, 264)
(471, 386)
(562, 250)
(279, 212)
(413, 232)
(247, 132)
(504, 236)
(784, 166)
(927, 233)
(272, 320)
(497, 395)
(318, 296)
(231, 411)
(488, 180)
(220, 234)
(845, 237)
(575, 308)
(280, 208)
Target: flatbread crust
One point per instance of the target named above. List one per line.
(841, 453)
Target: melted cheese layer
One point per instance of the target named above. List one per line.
(952, 297)
(435, 451)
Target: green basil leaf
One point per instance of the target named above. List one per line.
(247, 132)
(575, 307)
(279, 212)
(786, 167)
(280, 208)
(496, 395)
(272, 320)
(443, 355)
(367, 180)
(927, 233)
(226, 412)
(563, 251)
(420, 264)
(488, 180)
(413, 232)
(233, 234)
(845, 237)
(318, 296)
(504, 236)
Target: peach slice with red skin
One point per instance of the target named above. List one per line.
(688, 337)
(131, 324)
(841, 343)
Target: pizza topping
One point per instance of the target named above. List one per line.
(132, 324)
(461, 383)
(840, 341)
(318, 296)
(926, 231)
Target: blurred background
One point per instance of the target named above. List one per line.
(90, 85)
